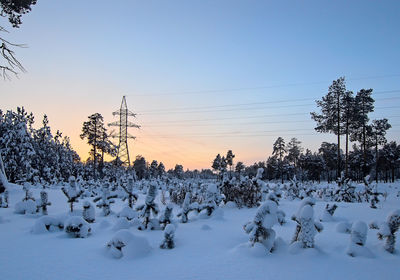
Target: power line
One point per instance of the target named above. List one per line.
(230, 90)
(254, 106)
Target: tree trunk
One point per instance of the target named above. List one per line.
(338, 136)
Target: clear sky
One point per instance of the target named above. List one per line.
(204, 76)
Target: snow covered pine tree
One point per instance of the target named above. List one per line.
(169, 233)
(260, 229)
(149, 207)
(72, 192)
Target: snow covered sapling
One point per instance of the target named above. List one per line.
(149, 207)
(166, 216)
(72, 192)
(3, 191)
(77, 227)
(306, 201)
(358, 238)
(213, 198)
(169, 233)
(28, 203)
(4, 199)
(105, 199)
(186, 208)
(327, 216)
(89, 212)
(129, 190)
(388, 230)
(308, 227)
(279, 213)
(260, 229)
(42, 203)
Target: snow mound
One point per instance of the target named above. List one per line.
(205, 227)
(344, 227)
(125, 244)
(47, 224)
(25, 207)
(230, 205)
(355, 250)
(127, 213)
(77, 227)
(121, 223)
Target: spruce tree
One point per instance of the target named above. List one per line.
(279, 150)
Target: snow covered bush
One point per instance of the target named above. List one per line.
(213, 198)
(77, 227)
(105, 199)
(388, 231)
(187, 207)
(358, 238)
(28, 203)
(244, 192)
(260, 229)
(345, 191)
(169, 233)
(4, 199)
(47, 224)
(279, 213)
(124, 243)
(149, 207)
(307, 227)
(130, 194)
(42, 203)
(166, 216)
(3, 191)
(89, 212)
(72, 192)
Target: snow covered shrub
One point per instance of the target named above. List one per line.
(4, 199)
(130, 194)
(124, 243)
(358, 238)
(166, 216)
(187, 207)
(88, 213)
(213, 198)
(149, 207)
(304, 231)
(77, 227)
(388, 231)
(244, 192)
(105, 199)
(127, 213)
(169, 233)
(47, 224)
(42, 203)
(307, 227)
(306, 201)
(27, 205)
(327, 216)
(279, 213)
(260, 229)
(345, 191)
(72, 192)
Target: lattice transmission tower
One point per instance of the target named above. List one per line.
(123, 135)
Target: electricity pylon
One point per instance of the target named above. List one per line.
(123, 135)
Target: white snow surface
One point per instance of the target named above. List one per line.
(218, 249)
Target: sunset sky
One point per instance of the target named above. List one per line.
(203, 76)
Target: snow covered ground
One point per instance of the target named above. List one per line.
(206, 248)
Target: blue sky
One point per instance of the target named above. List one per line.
(167, 55)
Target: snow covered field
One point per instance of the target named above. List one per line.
(206, 248)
